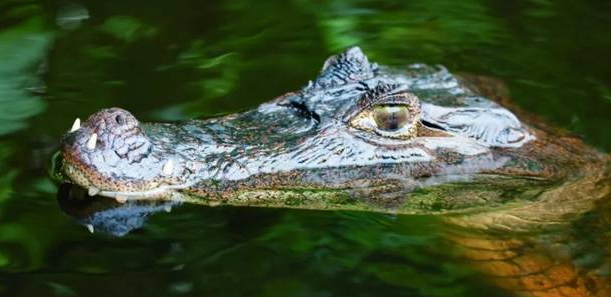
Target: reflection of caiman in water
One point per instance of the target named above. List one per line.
(364, 137)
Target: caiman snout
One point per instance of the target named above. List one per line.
(111, 146)
(113, 132)
(118, 130)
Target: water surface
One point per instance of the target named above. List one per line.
(168, 60)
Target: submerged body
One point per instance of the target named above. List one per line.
(364, 137)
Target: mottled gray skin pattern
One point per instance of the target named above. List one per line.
(305, 140)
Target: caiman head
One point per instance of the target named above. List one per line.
(362, 134)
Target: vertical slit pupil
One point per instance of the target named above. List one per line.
(390, 117)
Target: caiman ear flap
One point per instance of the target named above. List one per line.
(348, 66)
(493, 127)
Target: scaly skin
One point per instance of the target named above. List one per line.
(308, 140)
(460, 155)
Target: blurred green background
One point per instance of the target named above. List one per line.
(171, 60)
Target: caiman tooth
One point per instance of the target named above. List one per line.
(93, 191)
(121, 199)
(76, 125)
(90, 228)
(168, 167)
(168, 208)
(92, 141)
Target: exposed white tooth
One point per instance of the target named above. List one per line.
(93, 191)
(121, 198)
(90, 228)
(76, 125)
(168, 208)
(168, 167)
(92, 141)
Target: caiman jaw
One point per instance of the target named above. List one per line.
(109, 154)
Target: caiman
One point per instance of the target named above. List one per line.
(361, 136)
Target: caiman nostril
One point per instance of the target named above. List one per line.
(115, 134)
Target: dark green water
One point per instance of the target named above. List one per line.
(167, 60)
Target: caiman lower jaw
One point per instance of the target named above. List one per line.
(376, 199)
(125, 191)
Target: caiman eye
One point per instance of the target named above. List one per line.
(391, 117)
(388, 120)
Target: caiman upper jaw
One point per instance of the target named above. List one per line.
(113, 130)
(111, 152)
